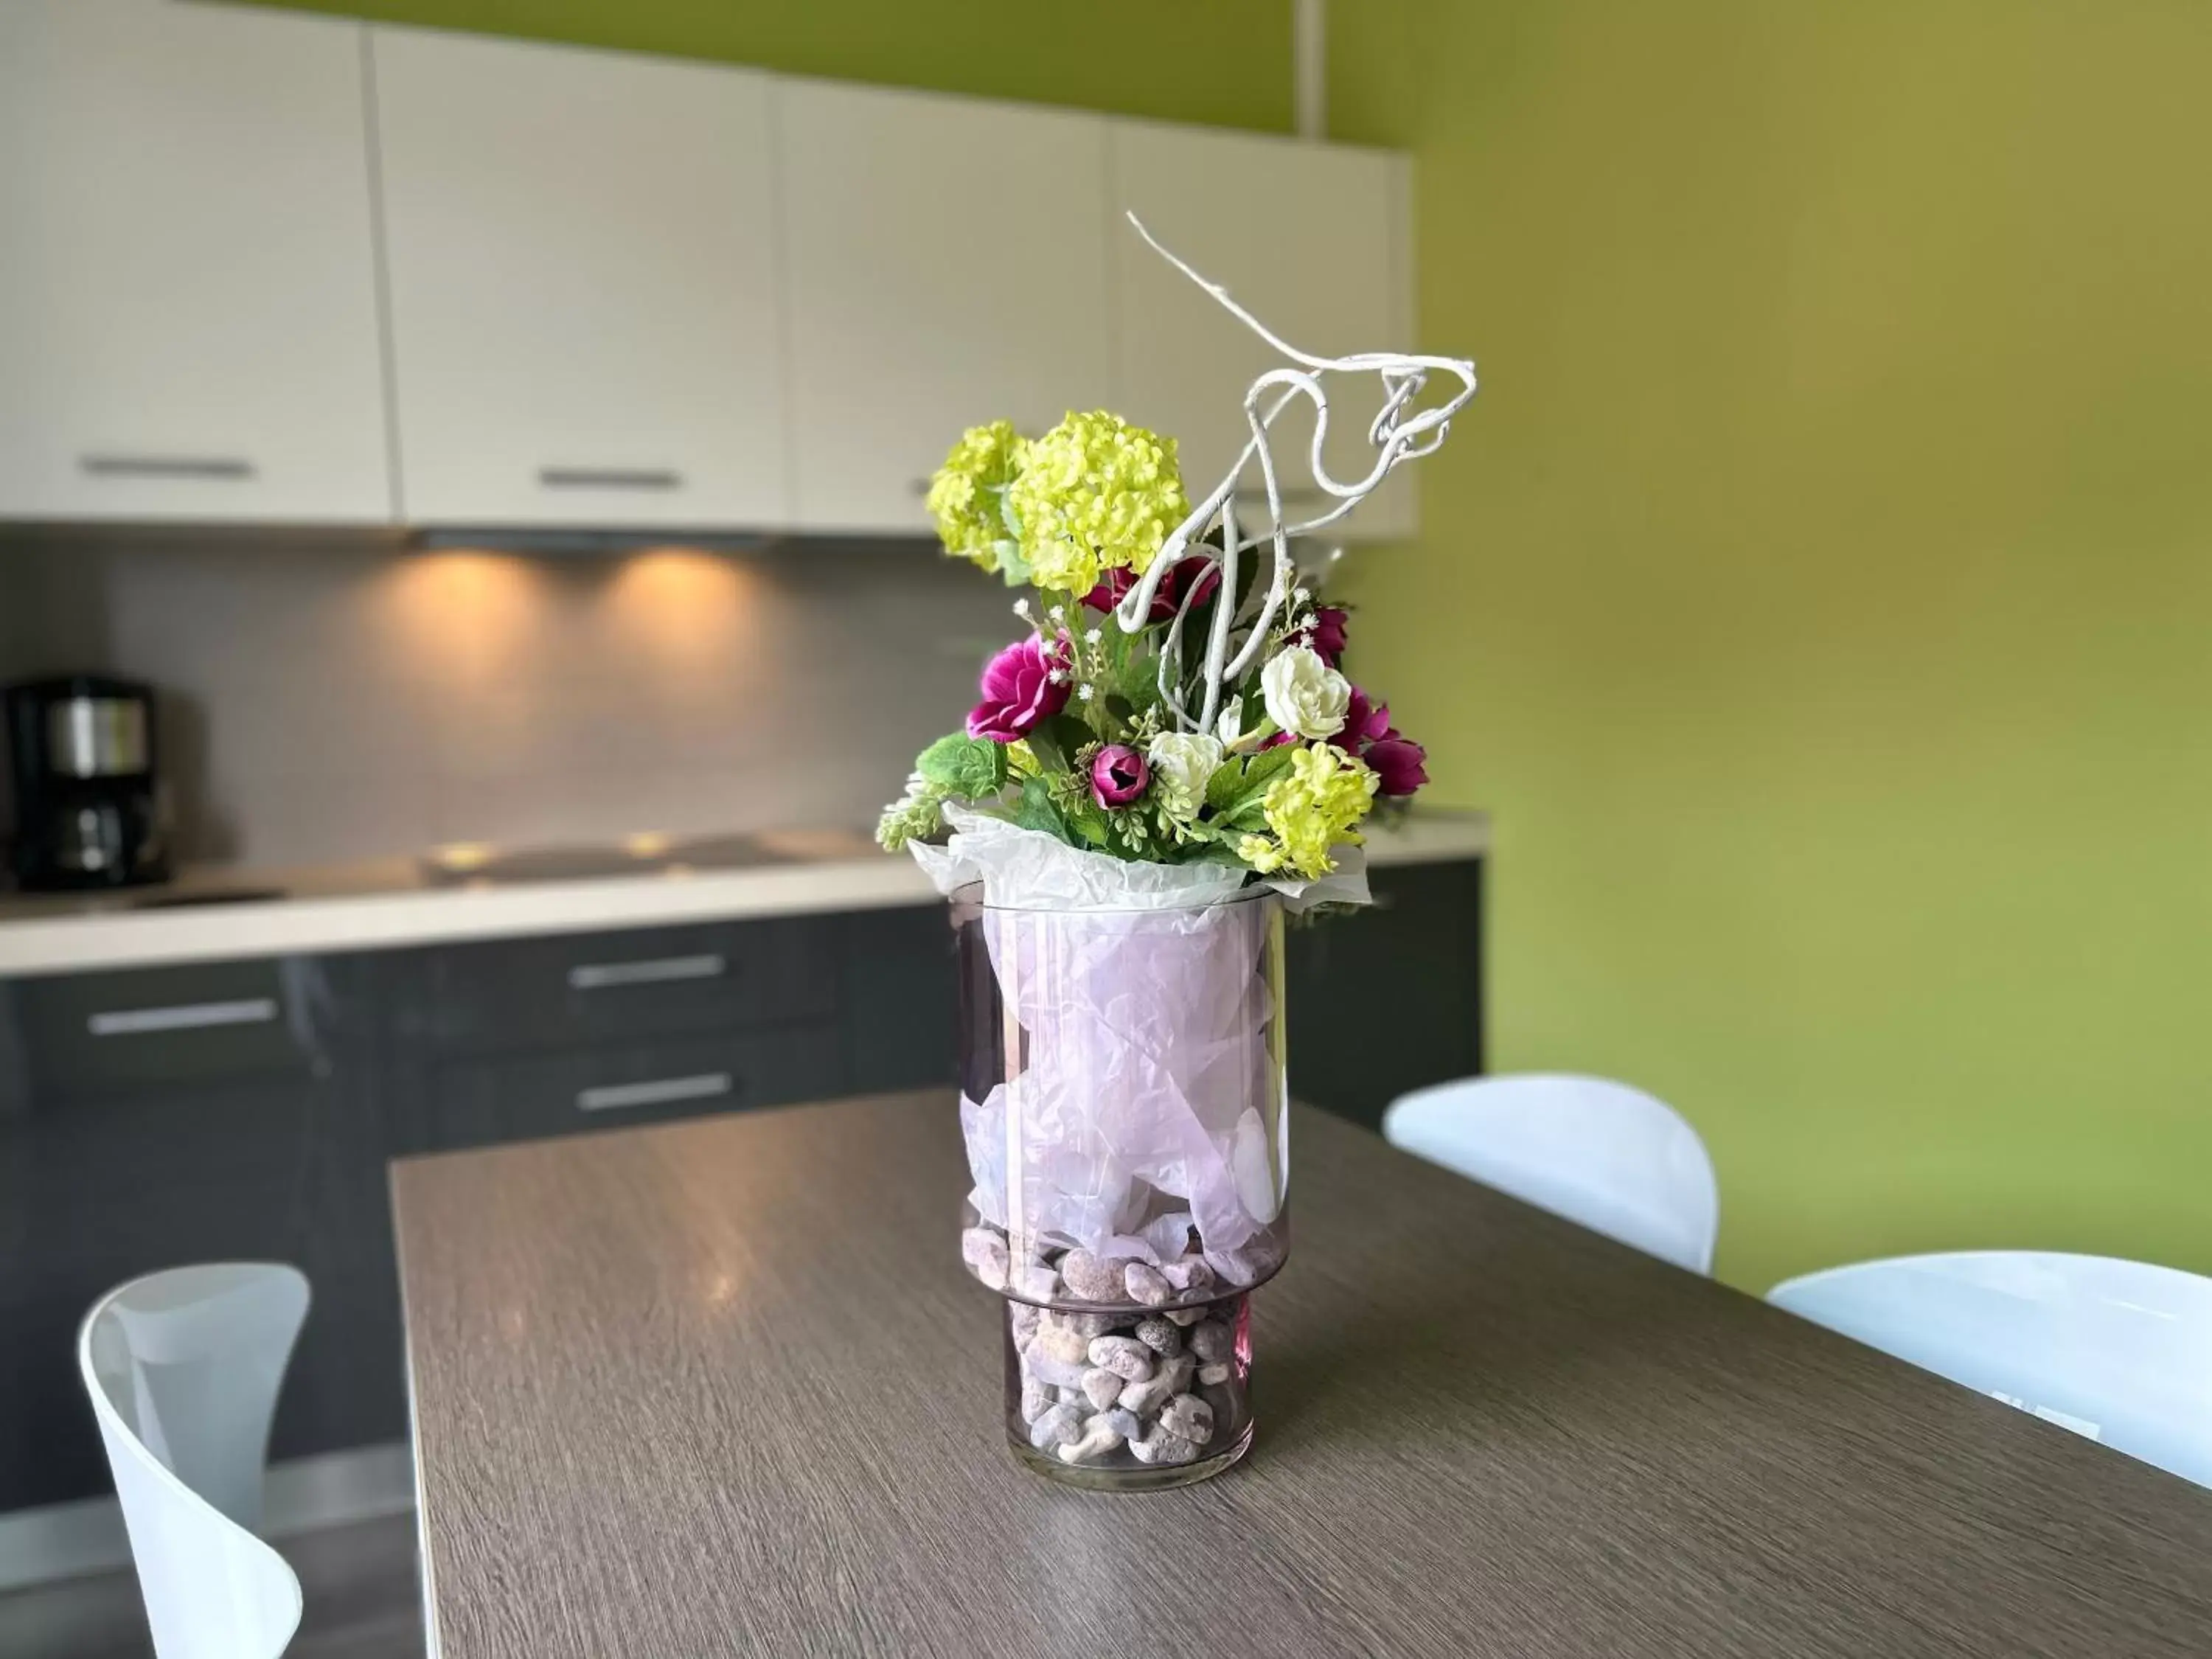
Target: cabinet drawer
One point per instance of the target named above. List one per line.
(520, 994)
(101, 1034)
(481, 1103)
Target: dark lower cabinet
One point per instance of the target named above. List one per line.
(1389, 999)
(247, 1110)
(264, 1144)
(104, 1191)
(899, 1003)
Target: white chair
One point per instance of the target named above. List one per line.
(183, 1368)
(1611, 1157)
(2118, 1351)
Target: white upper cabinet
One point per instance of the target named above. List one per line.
(188, 324)
(618, 291)
(948, 266)
(1312, 239)
(579, 247)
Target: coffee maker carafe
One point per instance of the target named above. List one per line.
(88, 807)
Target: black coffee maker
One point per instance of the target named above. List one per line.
(88, 807)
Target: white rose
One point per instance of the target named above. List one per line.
(1182, 762)
(1305, 696)
(1235, 739)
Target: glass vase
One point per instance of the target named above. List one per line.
(1124, 1101)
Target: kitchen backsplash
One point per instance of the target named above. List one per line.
(329, 697)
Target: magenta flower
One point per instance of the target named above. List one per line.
(1119, 775)
(1398, 762)
(1400, 765)
(1167, 598)
(1364, 723)
(1019, 691)
(1326, 634)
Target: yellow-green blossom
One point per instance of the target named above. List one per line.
(1095, 494)
(963, 496)
(1261, 852)
(1318, 804)
(914, 816)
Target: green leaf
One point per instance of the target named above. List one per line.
(1062, 735)
(1037, 811)
(1247, 788)
(1089, 824)
(1013, 568)
(970, 767)
(1250, 563)
(1251, 817)
(1214, 852)
(1137, 682)
(1046, 748)
(1225, 785)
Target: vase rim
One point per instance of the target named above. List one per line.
(968, 898)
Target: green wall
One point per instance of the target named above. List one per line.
(1223, 61)
(1820, 593)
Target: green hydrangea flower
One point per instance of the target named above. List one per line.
(1095, 494)
(1318, 805)
(964, 494)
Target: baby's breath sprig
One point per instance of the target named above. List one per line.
(1297, 617)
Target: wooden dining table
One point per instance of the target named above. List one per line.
(724, 1388)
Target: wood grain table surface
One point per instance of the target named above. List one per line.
(723, 1388)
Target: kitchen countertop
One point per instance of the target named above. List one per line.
(386, 903)
(725, 1386)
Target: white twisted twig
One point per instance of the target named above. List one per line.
(1396, 437)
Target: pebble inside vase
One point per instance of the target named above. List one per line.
(1147, 1399)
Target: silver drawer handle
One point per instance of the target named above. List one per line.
(920, 486)
(183, 1016)
(609, 477)
(166, 466)
(656, 970)
(661, 1091)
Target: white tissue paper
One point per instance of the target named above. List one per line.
(1150, 1097)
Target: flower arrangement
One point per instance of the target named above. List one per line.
(1168, 763)
(1079, 730)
